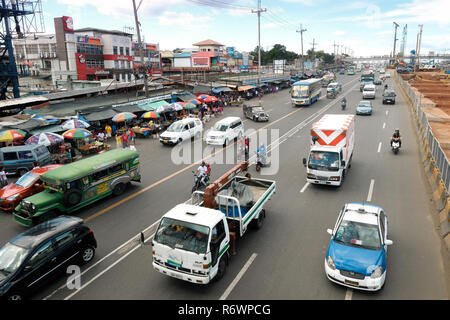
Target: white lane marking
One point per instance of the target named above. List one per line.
(348, 294)
(384, 125)
(369, 196)
(269, 148)
(379, 147)
(304, 187)
(387, 112)
(104, 271)
(238, 277)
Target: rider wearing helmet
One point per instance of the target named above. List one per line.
(396, 137)
(261, 153)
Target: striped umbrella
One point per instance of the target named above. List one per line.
(123, 116)
(176, 106)
(78, 133)
(150, 115)
(45, 138)
(12, 135)
(74, 123)
(196, 102)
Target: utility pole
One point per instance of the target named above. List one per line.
(301, 36)
(395, 40)
(314, 43)
(335, 51)
(141, 53)
(258, 11)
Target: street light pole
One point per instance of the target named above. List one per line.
(141, 53)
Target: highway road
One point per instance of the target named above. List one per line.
(283, 260)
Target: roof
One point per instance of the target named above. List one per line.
(22, 147)
(244, 88)
(182, 55)
(80, 168)
(35, 235)
(116, 32)
(27, 101)
(153, 105)
(306, 82)
(228, 119)
(208, 42)
(370, 214)
(100, 115)
(42, 170)
(334, 122)
(200, 215)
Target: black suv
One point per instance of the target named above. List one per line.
(389, 96)
(42, 252)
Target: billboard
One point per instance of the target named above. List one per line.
(86, 39)
(230, 51)
(67, 23)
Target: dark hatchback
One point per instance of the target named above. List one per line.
(389, 96)
(37, 255)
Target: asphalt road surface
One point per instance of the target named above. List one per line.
(283, 260)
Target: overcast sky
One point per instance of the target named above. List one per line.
(364, 26)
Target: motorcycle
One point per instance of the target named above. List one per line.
(343, 105)
(200, 181)
(395, 146)
(261, 162)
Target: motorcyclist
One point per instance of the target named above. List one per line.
(385, 87)
(261, 153)
(344, 103)
(201, 171)
(208, 172)
(396, 137)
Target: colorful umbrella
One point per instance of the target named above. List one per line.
(74, 123)
(12, 135)
(202, 96)
(150, 115)
(189, 106)
(123, 116)
(196, 102)
(45, 138)
(78, 133)
(211, 99)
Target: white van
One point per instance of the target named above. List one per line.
(182, 130)
(225, 131)
(369, 91)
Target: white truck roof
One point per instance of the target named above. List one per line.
(195, 214)
(334, 122)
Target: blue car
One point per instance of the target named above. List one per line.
(364, 107)
(356, 256)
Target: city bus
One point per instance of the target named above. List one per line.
(78, 184)
(306, 92)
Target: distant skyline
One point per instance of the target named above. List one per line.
(365, 27)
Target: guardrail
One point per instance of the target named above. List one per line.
(436, 163)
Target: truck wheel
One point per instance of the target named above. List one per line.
(222, 268)
(72, 198)
(260, 221)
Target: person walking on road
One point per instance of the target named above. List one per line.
(3, 178)
(108, 131)
(125, 140)
(118, 141)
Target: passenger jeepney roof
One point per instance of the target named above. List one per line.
(83, 167)
(195, 214)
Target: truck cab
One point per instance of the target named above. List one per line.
(325, 165)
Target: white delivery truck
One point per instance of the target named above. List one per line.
(331, 149)
(195, 239)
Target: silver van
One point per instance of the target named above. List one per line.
(368, 91)
(19, 159)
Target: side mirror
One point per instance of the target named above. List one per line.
(330, 231)
(343, 163)
(304, 162)
(388, 242)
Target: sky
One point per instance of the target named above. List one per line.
(365, 27)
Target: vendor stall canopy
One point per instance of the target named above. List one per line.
(245, 88)
(221, 89)
(153, 105)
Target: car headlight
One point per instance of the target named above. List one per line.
(377, 272)
(330, 263)
(12, 198)
(337, 178)
(310, 176)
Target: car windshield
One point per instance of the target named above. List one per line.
(11, 258)
(364, 104)
(182, 235)
(358, 234)
(324, 160)
(220, 127)
(175, 127)
(389, 94)
(300, 91)
(27, 179)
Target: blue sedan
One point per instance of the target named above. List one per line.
(356, 255)
(364, 107)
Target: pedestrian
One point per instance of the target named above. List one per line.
(101, 136)
(108, 131)
(114, 128)
(3, 178)
(131, 135)
(125, 139)
(118, 141)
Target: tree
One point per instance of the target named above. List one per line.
(177, 50)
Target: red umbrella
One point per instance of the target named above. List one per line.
(211, 99)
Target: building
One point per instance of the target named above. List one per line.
(152, 57)
(210, 46)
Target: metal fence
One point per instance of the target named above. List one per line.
(437, 153)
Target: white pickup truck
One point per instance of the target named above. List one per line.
(193, 239)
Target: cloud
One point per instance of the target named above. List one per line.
(339, 33)
(185, 19)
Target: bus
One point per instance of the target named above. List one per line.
(351, 71)
(78, 184)
(306, 92)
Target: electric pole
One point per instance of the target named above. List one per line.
(141, 53)
(335, 51)
(301, 36)
(258, 11)
(313, 47)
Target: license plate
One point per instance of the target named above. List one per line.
(164, 141)
(353, 283)
(322, 182)
(176, 275)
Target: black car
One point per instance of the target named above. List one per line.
(377, 81)
(389, 96)
(37, 255)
